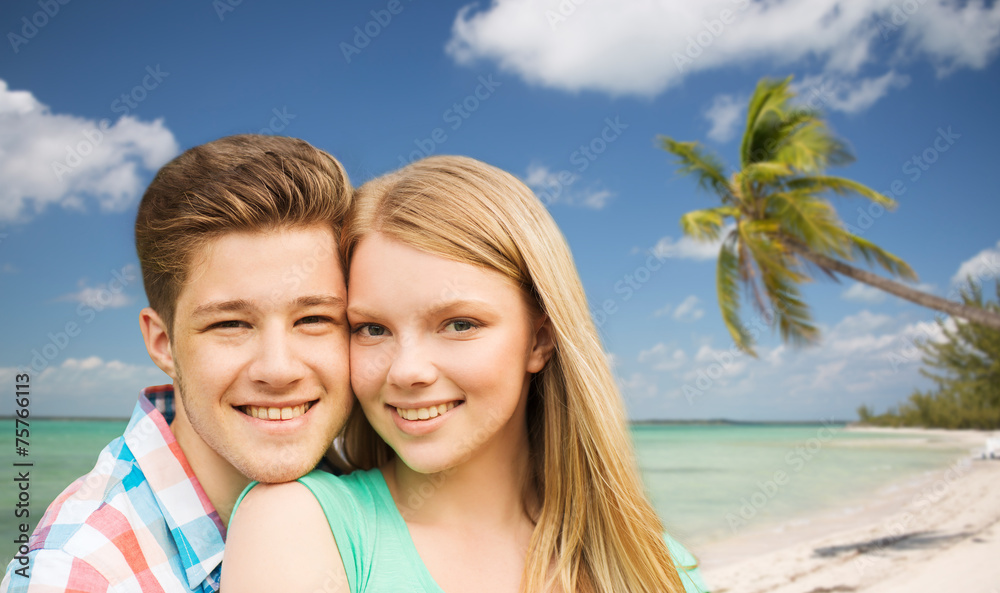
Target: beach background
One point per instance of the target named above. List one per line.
(572, 97)
(761, 505)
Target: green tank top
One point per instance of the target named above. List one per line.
(375, 544)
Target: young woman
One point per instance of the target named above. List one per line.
(492, 439)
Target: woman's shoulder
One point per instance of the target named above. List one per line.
(278, 525)
(688, 567)
(258, 498)
(360, 486)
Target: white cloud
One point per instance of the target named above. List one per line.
(835, 92)
(82, 387)
(731, 364)
(664, 311)
(7, 268)
(775, 357)
(638, 387)
(554, 187)
(51, 159)
(106, 296)
(826, 372)
(95, 296)
(858, 323)
(863, 293)
(865, 358)
(643, 48)
(724, 114)
(982, 266)
(663, 358)
(85, 364)
(954, 34)
(688, 310)
(688, 248)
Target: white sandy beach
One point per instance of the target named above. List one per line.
(936, 533)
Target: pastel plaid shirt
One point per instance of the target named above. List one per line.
(139, 521)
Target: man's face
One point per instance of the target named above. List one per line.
(260, 352)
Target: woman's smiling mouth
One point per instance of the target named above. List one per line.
(425, 413)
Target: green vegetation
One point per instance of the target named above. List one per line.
(783, 228)
(965, 369)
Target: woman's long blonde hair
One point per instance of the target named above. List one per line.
(596, 531)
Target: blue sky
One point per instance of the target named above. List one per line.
(570, 96)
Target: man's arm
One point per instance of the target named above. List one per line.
(52, 571)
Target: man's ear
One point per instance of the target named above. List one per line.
(543, 347)
(154, 333)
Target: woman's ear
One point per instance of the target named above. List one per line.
(157, 338)
(543, 346)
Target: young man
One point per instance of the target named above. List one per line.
(237, 240)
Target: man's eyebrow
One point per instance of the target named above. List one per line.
(320, 300)
(230, 306)
(247, 306)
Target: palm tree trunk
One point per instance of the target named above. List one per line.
(956, 309)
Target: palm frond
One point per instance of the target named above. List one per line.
(727, 274)
(811, 147)
(706, 224)
(766, 103)
(766, 172)
(812, 221)
(706, 167)
(779, 276)
(792, 314)
(875, 255)
(841, 186)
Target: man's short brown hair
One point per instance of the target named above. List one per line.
(245, 183)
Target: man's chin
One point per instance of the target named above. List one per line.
(277, 475)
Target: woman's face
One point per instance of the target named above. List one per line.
(441, 354)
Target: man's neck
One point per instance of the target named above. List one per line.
(221, 482)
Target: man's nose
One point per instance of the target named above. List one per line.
(276, 363)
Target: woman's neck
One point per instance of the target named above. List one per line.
(487, 490)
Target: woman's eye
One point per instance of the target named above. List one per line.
(460, 325)
(312, 319)
(370, 330)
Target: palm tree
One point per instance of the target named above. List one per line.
(783, 229)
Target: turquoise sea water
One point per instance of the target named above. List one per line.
(711, 482)
(701, 477)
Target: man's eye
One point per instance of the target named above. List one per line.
(461, 325)
(370, 330)
(312, 319)
(230, 324)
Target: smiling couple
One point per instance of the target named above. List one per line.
(433, 319)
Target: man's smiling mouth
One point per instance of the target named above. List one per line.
(271, 413)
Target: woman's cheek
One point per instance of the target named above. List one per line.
(367, 367)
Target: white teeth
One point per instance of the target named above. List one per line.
(424, 413)
(286, 413)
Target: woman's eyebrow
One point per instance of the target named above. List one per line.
(459, 304)
(358, 311)
(434, 309)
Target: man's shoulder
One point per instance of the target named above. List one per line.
(79, 536)
(96, 504)
(113, 526)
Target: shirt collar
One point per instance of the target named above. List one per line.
(194, 523)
